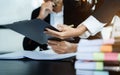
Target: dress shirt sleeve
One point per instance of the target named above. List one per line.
(93, 26)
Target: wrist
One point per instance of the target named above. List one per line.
(74, 47)
(81, 29)
(40, 17)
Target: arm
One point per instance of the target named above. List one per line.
(46, 8)
(90, 26)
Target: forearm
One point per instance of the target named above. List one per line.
(81, 29)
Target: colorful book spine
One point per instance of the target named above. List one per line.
(98, 56)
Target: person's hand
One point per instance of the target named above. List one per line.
(46, 8)
(62, 47)
(65, 32)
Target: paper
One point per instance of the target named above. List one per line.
(96, 45)
(36, 55)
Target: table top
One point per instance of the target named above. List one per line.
(39, 67)
(33, 67)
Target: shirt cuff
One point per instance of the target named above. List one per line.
(93, 25)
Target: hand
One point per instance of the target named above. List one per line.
(66, 31)
(63, 47)
(46, 8)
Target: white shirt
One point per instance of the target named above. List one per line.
(92, 24)
(56, 18)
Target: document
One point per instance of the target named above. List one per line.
(33, 29)
(36, 55)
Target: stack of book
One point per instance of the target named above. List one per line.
(98, 57)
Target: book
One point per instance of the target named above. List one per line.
(96, 42)
(101, 48)
(100, 66)
(36, 55)
(98, 45)
(87, 72)
(98, 56)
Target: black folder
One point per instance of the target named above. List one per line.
(33, 29)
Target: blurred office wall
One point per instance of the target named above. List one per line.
(12, 11)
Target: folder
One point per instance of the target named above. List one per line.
(33, 29)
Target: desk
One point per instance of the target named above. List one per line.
(32, 67)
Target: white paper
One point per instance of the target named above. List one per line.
(37, 55)
(47, 55)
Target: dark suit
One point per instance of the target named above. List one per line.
(72, 15)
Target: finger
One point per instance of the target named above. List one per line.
(58, 49)
(62, 27)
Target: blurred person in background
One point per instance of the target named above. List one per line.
(68, 12)
(102, 16)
